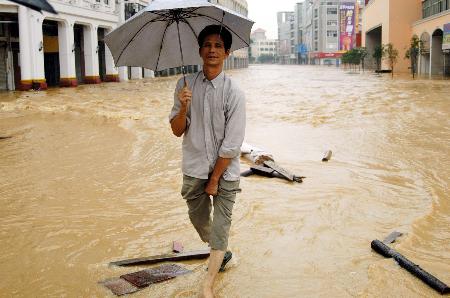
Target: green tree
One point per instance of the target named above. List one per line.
(412, 53)
(266, 58)
(392, 54)
(378, 53)
(362, 55)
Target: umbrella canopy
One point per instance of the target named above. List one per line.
(37, 5)
(164, 34)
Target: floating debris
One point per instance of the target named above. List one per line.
(414, 269)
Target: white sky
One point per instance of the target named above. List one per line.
(264, 14)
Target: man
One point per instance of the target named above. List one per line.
(209, 112)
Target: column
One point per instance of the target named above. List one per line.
(112, 72)
(91, 54)
(136, 73)
(68, 77)
(123, 70)
(149, 73)
(25, 53)
(37, 50)
(431, 56)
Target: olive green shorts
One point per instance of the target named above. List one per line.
(214, 231)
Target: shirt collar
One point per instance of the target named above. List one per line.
(216, 81)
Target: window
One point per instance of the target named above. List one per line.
(332, 33)
(316, 13)
(332, 23)
(331, 10)
(432, 7)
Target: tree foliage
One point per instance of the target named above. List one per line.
(355, 57)
(266, 58)
(378, 53)
(391, 54)
(412, 53)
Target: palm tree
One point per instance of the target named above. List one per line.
(392, 54)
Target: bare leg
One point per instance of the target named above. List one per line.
(215, 260)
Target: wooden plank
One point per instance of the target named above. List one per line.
(172, 257)
(285, 173)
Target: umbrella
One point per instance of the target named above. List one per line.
(164, 34)
(37, 5)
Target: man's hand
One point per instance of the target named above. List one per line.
(212, 187)
(185, 97)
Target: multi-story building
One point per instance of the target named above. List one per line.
(261, 46)
(239, 58)
(397, 21)
(43, 49)
(321, 30)
(286, 37)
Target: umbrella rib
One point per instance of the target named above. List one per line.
(139, 31)
(162, 43)
(218, 21)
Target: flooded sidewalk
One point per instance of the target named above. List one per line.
(92, 174)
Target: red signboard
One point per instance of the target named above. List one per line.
(321, 55)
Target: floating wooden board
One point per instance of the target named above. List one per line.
(172, 257)
(119, 286)
(285, 173)
(133, 282)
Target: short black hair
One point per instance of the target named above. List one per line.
(216, 29)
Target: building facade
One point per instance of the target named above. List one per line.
(319, 31)
(261, 48)
(38, 50)
(286, 37)
(239, 58)
(387, 21)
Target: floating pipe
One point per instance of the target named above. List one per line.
(414, 269)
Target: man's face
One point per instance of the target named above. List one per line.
(213, 51)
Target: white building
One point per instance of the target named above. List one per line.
(239, 58)
(261, 45)
(42, 49)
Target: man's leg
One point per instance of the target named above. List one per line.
(223, 207)
(199, 205)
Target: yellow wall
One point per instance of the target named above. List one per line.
(396, 18)
(403, 14)
(431, 24)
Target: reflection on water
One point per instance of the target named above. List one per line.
(92, 174)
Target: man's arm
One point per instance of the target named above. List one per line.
(179, 122)
(231, 145)
(219, 168)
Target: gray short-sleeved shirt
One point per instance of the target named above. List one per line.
(215, 125)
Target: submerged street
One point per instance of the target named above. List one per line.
(92, 174)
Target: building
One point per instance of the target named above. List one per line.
(261, 46)
(38, 50)
(387, 21)
(318, 31)
(41, 49)
(286, 37)
(239, 58)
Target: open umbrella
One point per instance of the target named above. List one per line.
(164, 34)
(37, 5)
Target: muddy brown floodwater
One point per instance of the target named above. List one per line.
(92, 175)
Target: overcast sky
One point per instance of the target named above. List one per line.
(264, 14)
